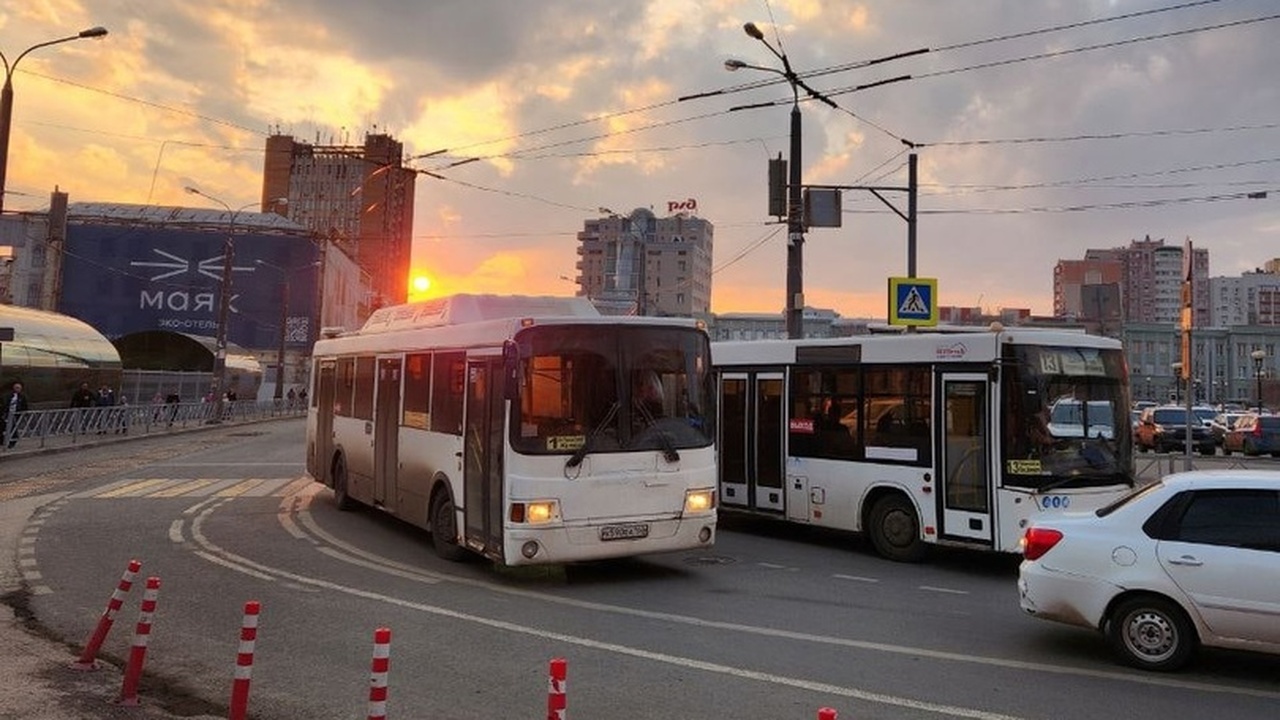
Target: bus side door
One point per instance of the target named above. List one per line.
(965, 465)
(751, 439)
(386, 433)
(322, 448)
(482, 447)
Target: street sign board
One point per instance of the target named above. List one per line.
(913, 301)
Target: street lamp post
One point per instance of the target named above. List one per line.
(224, 303)
(795, 204)
(284, 321)
(1258, 356)
(6, 96)
(278, 394)
(1177, 382)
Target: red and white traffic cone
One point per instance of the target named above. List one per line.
(557, 703)
(244, 662)
(138, 653)
(88, 658)
(827, 714)
(378, 678)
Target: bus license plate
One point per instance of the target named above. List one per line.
(628, 531)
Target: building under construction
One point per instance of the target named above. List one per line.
(360, 197)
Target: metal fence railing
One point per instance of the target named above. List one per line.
(72, 426)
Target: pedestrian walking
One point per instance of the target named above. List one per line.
(13, 404)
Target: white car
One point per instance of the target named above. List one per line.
(1193, 559)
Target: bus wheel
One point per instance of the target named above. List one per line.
(340, 496)
(444, 529)
(895, 531)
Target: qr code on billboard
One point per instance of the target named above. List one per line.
(297, 329)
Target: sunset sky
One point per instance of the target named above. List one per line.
(1045, 126)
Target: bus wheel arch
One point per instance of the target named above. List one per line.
(341, 483)
(442, 519)
(892, 523)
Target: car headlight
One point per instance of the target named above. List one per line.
(697, 501)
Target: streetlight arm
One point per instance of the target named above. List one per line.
(93, 32)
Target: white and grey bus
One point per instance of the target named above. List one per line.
(949, 438)
(529, 430)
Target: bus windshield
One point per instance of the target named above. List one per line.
(1065, 418)
(589, 389)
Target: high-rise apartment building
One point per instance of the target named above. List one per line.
(358, 196)
(1148, 275)
(645, 265)
(1250, 299)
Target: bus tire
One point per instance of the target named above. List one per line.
(444, 529)
(341, 497)
(895, 530)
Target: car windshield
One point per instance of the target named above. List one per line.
(1170, 416)
(1204, 414)
(1065, 417)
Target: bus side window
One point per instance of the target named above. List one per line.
(448, 388)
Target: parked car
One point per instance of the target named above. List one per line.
(1190, 560)
(1254, 434)
(1204, 414)
(1222, 424)
(1164, 429)
(1067, 419)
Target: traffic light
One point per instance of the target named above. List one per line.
(778, 186)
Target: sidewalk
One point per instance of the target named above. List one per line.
(37, 681)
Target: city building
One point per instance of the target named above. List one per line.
(641, 264)
(1253, 298)
(127, 269)
(1140, 283)
(360, 197)
(1223, 368)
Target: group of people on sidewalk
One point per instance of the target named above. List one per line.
(85, 398)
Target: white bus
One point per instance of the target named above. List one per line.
(949, 438)
(529, 430)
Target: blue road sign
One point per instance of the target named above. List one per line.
(913, 301)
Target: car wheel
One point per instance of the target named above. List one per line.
(341, 498)
(895, 530)
(444, 529)
(1151, 633)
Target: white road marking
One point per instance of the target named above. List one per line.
(1115, 676)
(856, 578)
(175, 532)
(949, 591)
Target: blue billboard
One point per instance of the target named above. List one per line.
(122, 279)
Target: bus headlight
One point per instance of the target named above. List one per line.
(697, 501)
(534, 513)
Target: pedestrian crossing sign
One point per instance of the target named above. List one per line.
(913, 301)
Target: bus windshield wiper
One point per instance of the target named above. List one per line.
(581, 453)
(669, 452)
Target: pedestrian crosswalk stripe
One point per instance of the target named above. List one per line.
(134, 488)
(198, 487)
(240, 488)
(182, 488)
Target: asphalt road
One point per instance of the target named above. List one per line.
(773, 622)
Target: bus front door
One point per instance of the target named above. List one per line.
(482, 447)
(751, 434)
(386, 433)
(965, 477)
